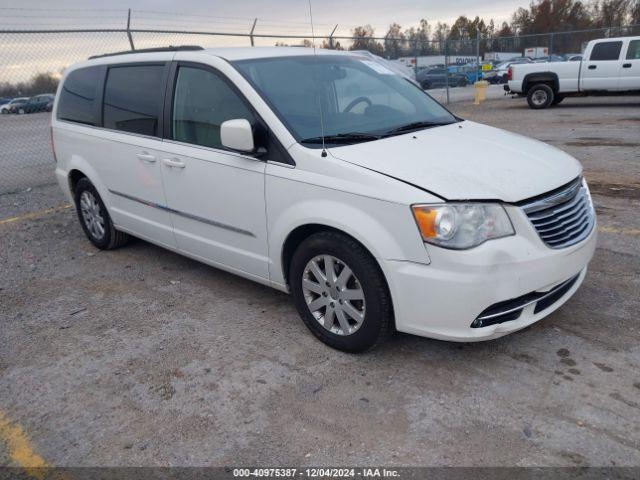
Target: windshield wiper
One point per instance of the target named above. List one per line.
(414, 126)
(343, 138)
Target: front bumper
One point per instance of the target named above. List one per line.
(441, 300)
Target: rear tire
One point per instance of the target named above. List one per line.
(95, 219)
(540, 96)
(363, 290)
(425, 85)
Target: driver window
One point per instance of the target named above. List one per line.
(358, 84)
(202, 101)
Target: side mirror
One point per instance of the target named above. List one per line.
(237, 135)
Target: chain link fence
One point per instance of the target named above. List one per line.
(33, 62)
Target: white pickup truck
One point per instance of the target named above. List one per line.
(608, 66)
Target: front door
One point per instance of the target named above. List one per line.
(215, 196)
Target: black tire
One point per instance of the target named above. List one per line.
(378, 321)
(540, 96)
(425, 85)
(111, 238)
(462, 82)
(558, 99)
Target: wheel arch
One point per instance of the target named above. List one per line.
(74, 177)
(300, 234)
(548, 78)
(79, 167)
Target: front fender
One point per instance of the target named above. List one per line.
(387, 230)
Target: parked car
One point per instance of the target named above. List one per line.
(435, 78)
(609, 66)
(37, 103)
(6, 107)
(15, 105)
(549, 58)
(374, 215)
(500, 74)
(470, 72)
(4, 101)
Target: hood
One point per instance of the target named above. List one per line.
(467, 161)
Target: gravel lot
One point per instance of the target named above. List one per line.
(25, 151)
(142, 357)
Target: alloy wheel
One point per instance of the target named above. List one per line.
(333, 295)
(91, 215)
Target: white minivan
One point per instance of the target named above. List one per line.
(330, 177)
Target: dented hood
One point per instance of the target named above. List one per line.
(467, 161)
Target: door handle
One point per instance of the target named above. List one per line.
(173, 163)
(626, 65)
(146, 157)
(592, 67)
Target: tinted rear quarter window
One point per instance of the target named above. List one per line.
(133, 97)
(77, 96)
(606, 51)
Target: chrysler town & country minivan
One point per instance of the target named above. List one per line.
(328, 176)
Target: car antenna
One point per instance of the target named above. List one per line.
(313, 42)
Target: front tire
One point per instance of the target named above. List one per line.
(340, 292)
(540, 96)
(94, 218)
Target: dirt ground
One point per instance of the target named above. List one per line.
(141, 357)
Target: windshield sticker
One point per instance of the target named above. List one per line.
(381, 69)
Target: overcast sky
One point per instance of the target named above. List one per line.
(24, 55)
(346, 13)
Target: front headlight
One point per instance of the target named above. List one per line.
(462, 225)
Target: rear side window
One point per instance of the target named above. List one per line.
(77, 96)
(133, 97)
(633, 52)
(606, 51)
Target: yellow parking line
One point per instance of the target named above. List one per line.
(620, 231)
(32, 215)
(20, 450)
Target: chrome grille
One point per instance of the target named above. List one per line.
(563, 217)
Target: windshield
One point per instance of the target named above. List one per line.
(360, 100)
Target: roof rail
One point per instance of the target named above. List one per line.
(170, 48)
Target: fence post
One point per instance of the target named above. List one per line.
(331, 36)
(133, 47)
(446, 66)
(550, 44)
(253, 27)
(477, 53)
